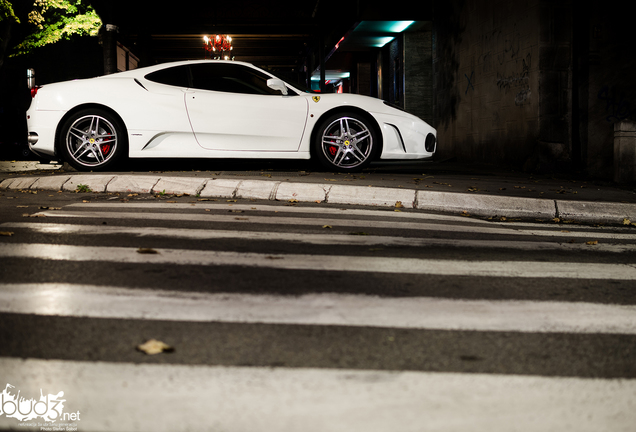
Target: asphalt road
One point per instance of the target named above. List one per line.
(297, 316)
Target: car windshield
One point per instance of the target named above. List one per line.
(297, 86)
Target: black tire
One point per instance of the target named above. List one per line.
(345, 142)
(93, 140)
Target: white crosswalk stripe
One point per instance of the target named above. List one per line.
(318, 309)
(211, 398)
(517, 269)
(333, 223)
(238, 239)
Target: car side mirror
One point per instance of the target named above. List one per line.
(276, 84)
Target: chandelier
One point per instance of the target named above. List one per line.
(218, 47)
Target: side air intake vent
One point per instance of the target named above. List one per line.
(430, 143)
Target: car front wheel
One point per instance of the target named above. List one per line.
(92, 140)
(345, 142)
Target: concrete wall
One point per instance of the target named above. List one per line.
(611, 88)
(486, 65)
(534, 84)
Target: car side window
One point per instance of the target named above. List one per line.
(178, 76)
(230, 78)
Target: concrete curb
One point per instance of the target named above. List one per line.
(449, 202)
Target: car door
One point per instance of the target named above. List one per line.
(231, 108)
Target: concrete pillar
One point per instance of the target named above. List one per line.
(418, 72)
(109, 45)
(625, 151)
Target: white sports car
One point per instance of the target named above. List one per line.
(216, 109)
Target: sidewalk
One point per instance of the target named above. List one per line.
(437, 186)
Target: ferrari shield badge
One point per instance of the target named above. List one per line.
(316, 98)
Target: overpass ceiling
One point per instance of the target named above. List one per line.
(277, 34)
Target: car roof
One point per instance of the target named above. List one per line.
(140, 72)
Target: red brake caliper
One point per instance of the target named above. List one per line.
(106, 147)
(333, 150)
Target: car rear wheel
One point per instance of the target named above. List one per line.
(345, 142)
(92, 139)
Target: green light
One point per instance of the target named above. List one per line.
(383, 26)
(381, 41)
(399, 26)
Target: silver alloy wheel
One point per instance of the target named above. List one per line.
(346, 142)
(91, 140)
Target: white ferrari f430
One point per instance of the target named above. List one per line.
(216, 109)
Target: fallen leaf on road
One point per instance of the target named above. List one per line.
(293, 200)
(154, 346)
(6, 233)
(398, 204)
(327, 226)
(626, 221)
(147, 251)
(591, 242)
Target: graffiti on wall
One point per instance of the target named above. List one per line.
(510, 46)
(617, 107)
(470, 82)
(523, 96)
(519, 81)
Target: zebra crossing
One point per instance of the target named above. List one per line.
(314, 317)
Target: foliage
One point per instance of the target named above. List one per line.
(6, 12)
(53, 20)
(82, 188)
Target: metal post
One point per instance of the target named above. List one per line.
(30, 78)
(625, 151)
(321, 54)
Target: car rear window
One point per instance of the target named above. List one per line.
(178, 76)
